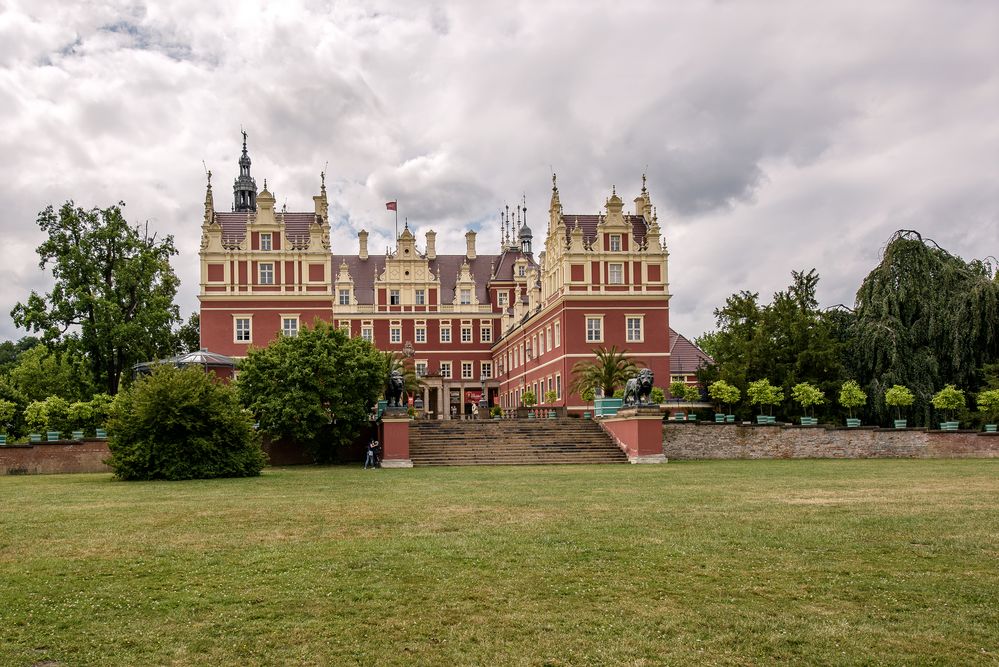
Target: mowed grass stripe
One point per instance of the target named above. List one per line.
(724, 562)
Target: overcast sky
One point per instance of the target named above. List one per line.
(775, 136)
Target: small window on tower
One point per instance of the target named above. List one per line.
(394, 297)
(615, 242)
(466, 296)
(265, 241)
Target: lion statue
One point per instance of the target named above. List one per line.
(394, 391)
(638, 390)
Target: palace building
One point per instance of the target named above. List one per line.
(501, 323)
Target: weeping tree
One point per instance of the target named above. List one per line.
(924, 319)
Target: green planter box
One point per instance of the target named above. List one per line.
(607, 407)
(901, 423)
(762, 420)
(719, 418)
(729, 419)
(949, 426)
(52, 436)
(852, 423)
(34, 437)
(990, 428)
(809, 421)
(102, 434)
(77, 435)
(587, 415)
(3, 438)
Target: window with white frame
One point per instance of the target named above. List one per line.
(521, 270)
(421, 297)
(501, 297)
(265, 241)
(615, 242)
(345, 297)
(345, 327)
(241, 329)
(395, 334)
(487, 370)
(466, 333)
(594, 329)
(466, 370)
(486, 332)
(635, 332)
(558, 334)
(558, 386)
(445, 331)
(394, 297)
(465, 297)
(421, 368)
(420, 334)
(367, 331)
(446, 370)
(266, 273)
(289, 325)
(615, 274)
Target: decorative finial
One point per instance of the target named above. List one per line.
(407, 222)
(613, 191)
(322, 179)
(265, 184)
(209, 179)
(244, 138)
(643, 183)
(554, 183)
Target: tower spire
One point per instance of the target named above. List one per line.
(244, 188)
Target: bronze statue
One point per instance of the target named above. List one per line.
(396, 388)
(638, 390)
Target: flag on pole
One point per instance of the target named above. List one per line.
(392, 205)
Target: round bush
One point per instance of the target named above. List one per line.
(181, 424)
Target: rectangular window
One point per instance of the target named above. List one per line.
(487, 370)
(466, 370)
(634, 329)
(615, 242)
(242, 325)
(421, 297)
(394, 297)
(266, 273)
(558, 334)
(395, 335)
(289, 326)
(345, 297)
(549, 341)
(594, 330)
(486, 332)
(265, 241)
(421, 369)
(421, 334)
(466, 296)
(345, 327)
(615, 274)
(521, 270)
(558, 386)
(368, 334)
(466, 334)
(446, 370)
(446, 331)
(501, 298)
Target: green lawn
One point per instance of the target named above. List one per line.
(725, 562)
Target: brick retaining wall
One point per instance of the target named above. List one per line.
(41, 458)
(735, 441)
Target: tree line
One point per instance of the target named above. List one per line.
(924, 319)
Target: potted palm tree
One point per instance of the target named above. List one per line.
(988, 403)
(762, 393)
(852, 396)
(948, 399)
(899, 397)
(808, 395)
(726, 394)
(610, 369)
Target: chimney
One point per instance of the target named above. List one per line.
(362, 237)
(470, 245)
(431, 244)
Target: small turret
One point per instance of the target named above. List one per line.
(244, 188)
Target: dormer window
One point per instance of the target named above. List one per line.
(466, 297)
(265, 241)
(615, 242)
(521, 270)
(394, 297)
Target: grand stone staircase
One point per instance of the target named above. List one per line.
(511, 442)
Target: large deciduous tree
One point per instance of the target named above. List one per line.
(113, 297)
(316, 388)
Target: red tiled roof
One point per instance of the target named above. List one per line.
(234, 224)
(446, 267)
(685, 357)
(588, 223)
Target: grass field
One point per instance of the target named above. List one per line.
(726, 562)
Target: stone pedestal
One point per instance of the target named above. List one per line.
(638, 431)
(395, 439)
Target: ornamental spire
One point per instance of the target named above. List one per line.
(244, 188)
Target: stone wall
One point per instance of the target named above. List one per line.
(683, 440)
(42, 458)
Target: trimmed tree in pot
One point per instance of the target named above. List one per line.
(726, 394)
(852, 396)
(808, 395)
(948, 399)
(899, 397)
(762, 393)
(657, 395)
(988, 404)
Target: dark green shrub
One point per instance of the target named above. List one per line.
(180, 424)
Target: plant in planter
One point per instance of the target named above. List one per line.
(496, 412)
(657, 395)
(677, 389)
(723, 392)
(852, 396)
(988, 404)
(808, 395)
(948, 399)
(551, 396)
(528, 399)
(899, 397)
(762, 393)
(588, 395)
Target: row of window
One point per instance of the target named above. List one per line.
(467, 369)
(242, 332)
(634, 328)
(553, 382)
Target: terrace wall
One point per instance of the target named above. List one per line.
(683, 440)
(42, 458)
